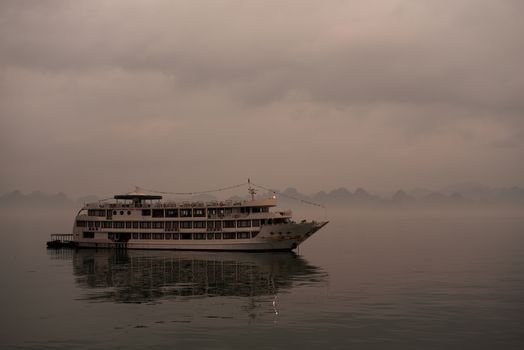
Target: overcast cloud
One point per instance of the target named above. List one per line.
(97, 96)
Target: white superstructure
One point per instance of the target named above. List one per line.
(142, 221)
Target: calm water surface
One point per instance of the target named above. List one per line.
(361, 282)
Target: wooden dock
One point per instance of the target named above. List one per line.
(61, 240)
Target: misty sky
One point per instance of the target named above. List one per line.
(97, 96)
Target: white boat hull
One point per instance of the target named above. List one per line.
(279, 237)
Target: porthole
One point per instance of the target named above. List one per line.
(114, 212)
(129, 212)
(121, 212)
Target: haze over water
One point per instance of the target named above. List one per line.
(368, 282)
(404, 117)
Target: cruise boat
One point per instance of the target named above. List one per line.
(139, 220)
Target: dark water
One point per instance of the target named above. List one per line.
(361, 282)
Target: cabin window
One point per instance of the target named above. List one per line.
(199, 236)
(118, 224)
(254, 234)
(199, 224)
(244, 223)
(97, 224)
(145, 236)
(185, 236)
(171, 213)
(210, 236)
(158, 224)
(158, 236)
(199, 212)
(146, 212)
(211, 212)
(229, 223)
(145, 224)
(129, 224)
(186, 213)
(244, 210)
(186, 224)
(135, 235)
(168, 235)
(135, 224)
(89, 235)
(243, 235)
(228, 211)
(80, 223)
(256, 223)
(107, 224)
(229, 235)
(96, 212)
(158, 213)
(175, 236)
(218, 235)
(255, 210)
(91, 224)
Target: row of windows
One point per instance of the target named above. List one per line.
(169, 224)
(184, 236)
(183, 212)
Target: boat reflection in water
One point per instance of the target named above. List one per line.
(134, 276)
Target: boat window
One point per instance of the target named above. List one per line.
(171, 213)
(146, 212)
(145, 224)
(118, 224)
(81, 223)
(185, 236)
(242, 235)
(135, 224)
(228, 211)
(186, 213)
(255, 210)
(107, 224)
(199, 212)
(158, 224)
(210, 236)
(229, 223)
(175, 236)
(229, 235)
(97, 224)
(168, 235)
(218, 236)
(158, 236)
(129, 224)
(158, 213)
(96, 212)
(89, 235)
(199, 236)
(135, 235)
(199, 224)
(186, 224)
(145, 236)
(254, 234)
(244, 223)
(256, 223)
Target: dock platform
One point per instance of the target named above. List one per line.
(61, 240)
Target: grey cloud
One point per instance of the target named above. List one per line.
(396, 89)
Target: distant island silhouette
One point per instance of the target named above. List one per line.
(455, 195)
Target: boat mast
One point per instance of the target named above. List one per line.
(251, 190)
